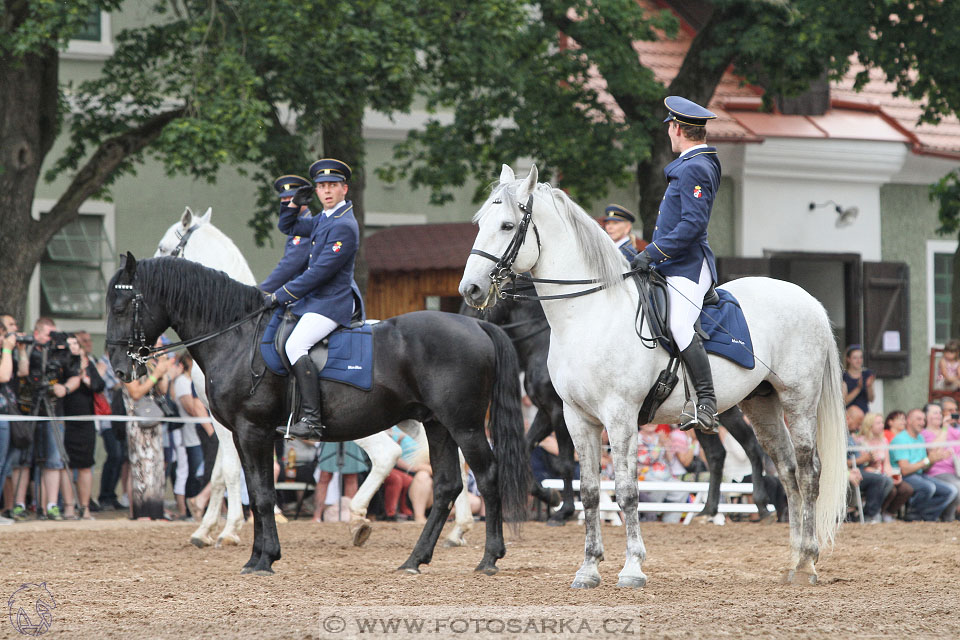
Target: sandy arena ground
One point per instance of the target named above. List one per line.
(120, 579)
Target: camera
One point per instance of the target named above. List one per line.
(955, 416)
(24, 339)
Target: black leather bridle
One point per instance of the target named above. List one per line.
(184, 238)
(503, 266)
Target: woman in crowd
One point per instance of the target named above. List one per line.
(857, 381)
(877, 454)
(80, 438)
(895, 422)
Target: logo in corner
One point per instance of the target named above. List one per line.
(698, 192)
(337, 246)
(30, 609)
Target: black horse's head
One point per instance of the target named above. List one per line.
(133, 325)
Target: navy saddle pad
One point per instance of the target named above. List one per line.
(349, 357)
(738, 347)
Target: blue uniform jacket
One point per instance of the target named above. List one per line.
(326, 285)
(296, 251)
(679, 242)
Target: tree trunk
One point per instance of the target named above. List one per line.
(147, 482)
(343, 140)
(28, 127)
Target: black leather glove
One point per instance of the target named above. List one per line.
(642, 263)
(270, 301)
(303, 195)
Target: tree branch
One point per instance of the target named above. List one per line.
(95, 173)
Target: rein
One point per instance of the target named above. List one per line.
(184, 238)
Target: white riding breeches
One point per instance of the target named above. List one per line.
(310, 329)
(686, 300)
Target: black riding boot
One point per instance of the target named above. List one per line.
(308, 382)
(695, 360)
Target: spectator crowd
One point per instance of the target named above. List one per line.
(899, 466)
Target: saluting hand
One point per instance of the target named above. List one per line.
(303, 195)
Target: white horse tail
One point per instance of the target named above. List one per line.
(832, 449)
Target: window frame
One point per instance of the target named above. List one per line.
(107, 210)
(97, 50)
(934, 247)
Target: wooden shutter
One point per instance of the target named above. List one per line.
(886, 308)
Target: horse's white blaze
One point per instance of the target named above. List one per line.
(602, 372)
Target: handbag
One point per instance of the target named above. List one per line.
(101, 407)
(145, 407)
(21, 435)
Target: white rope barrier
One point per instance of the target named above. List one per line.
(15, 418)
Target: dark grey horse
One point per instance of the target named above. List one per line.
(439, 368)
(527, 327)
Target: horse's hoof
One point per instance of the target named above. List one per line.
(361, 531)
(199, 542)
(413, 571)
(228, 541)
(488, 570)
(246, 570)
(449, 543)
(632, 582)
(585, 582)
(263, 572)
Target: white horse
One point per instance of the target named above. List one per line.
(196, 238)
(602, 374)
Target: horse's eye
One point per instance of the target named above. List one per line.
(507, 226)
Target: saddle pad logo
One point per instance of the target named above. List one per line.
(296, 240)
(697, 192)
(337, 246)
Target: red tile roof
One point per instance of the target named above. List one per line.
(871, 114)
(421, 246)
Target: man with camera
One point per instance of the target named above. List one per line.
(48, 373)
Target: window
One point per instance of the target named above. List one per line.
(92, 29)
(94, 41)
(939, 281)
(72, 283)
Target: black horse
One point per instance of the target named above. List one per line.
(439, 368)
(527, 327)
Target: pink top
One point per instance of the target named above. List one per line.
(879, 447)
(945, 465)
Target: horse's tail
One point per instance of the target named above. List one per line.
(832, 449)
(506, 428)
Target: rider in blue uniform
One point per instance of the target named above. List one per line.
(618, 224)
(679, 249)
(296, 251)
(322, 295)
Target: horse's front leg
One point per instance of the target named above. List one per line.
(232, 479)
(383, 453)
(715, 454)
(586, 437)
(623, 446)
(256, 449)
(568, 465)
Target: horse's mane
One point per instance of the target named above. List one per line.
(188, 288)
(601, 258)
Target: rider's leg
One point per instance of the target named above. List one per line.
(311, 329)
(686, 298)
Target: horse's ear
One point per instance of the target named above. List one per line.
(529, 184)
(205, 218)
(187, 218)
(129, 264)
(506, 174)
